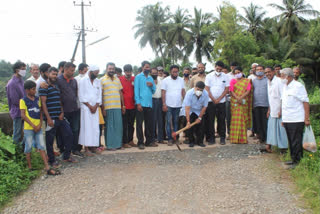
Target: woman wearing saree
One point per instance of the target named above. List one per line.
(241, 100)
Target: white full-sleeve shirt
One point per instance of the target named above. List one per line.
(293, 96)
(275, 87)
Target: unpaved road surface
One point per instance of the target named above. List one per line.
(216, 179)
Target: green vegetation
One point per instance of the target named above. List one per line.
(307, 174)
(314, 95)
(14, 175)
(245, 36)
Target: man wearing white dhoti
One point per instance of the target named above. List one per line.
(276, 134)
(90, 96)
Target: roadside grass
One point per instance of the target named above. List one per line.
(14, 174)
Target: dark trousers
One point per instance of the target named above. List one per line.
(295, 135)
(146, 116)
(74, 122)
(59, 141)
(128, 125)
(206, 122)
(100, 133)
(261, 122)
(172, 121)
(196, 130)
(228, 116)
(157, 119)
(164, 116)
(66, 137)
(217, 111)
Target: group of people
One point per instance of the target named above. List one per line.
(73, 110)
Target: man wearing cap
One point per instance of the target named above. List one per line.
(90, 96)
(160, 72)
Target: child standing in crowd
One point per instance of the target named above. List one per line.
(30, 107)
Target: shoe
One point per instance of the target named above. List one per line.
(202, 145)
(170, 142)
(152, 145)
(289, 163)
(228, 138)
(56, 154)
(186, 141)
(141, 146)
(78, 154)
(222, 141)
(132, 144)
(212, 141)
(126, 146)
(161, 142)
(191, 144)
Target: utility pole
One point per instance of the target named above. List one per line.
(76, 47)
(83, 29)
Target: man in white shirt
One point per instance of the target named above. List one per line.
(35, 72)
(90, 96)
(252, 75)
(276, 134)
(82, 69)
(44, 72)
(217, 86)
(231, 76)
(173, 93)
(157, 108)
(295, 114)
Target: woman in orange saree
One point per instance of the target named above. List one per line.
(241, 100)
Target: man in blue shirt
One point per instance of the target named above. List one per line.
(194, 107)
(144, 87)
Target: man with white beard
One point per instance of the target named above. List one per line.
(90, 96)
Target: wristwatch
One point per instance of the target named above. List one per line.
(200, 118)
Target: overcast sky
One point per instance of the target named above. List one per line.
(42, 30)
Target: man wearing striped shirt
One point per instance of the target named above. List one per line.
(113, 105)
(53, 111)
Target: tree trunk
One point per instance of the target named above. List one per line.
(162, 57)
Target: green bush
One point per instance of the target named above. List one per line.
(314, 95)
(14, 175)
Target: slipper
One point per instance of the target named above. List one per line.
(88, 154)
(71, 160)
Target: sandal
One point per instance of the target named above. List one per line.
(88, 154)
(71, 160)
(53, 172)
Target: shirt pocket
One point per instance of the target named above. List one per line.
(291, 101)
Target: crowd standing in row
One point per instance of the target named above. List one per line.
(272, 102)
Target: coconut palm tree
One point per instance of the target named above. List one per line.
(202, 35)
(291, 20)
(152, 27)
(253, 17)
(179, 34)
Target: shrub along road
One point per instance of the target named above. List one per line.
(216, 179)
